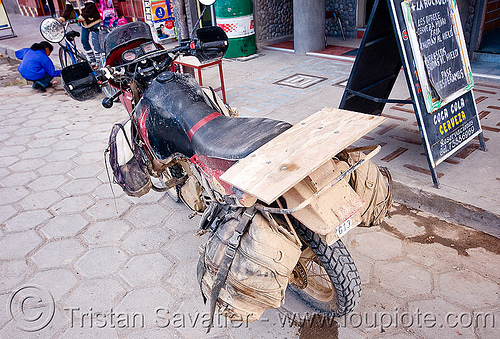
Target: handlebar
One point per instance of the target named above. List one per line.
(213, 44)
(82, 83)
(66, 23)
(187, 47)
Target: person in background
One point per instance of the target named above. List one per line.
(164, 31)
(36, 65)
(89, 17)
(50, 4)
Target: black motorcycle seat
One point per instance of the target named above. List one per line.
(234, 138)
(180, 120)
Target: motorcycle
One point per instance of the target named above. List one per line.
(234, 171)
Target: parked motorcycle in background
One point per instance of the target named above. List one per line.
(274, 199)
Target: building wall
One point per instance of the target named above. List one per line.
(273, 19)
(127, 8)
(33, 7)
(466, 8)
(473, 15)
(346, 10)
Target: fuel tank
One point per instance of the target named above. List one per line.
(168, 109)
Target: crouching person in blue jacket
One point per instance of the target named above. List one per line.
(36, 65)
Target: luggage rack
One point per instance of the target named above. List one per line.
(283, 162)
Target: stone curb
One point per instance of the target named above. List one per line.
(456, 211)
(8, 52)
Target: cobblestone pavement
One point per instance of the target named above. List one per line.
(123, 267)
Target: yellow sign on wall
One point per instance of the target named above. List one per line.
(159, 15)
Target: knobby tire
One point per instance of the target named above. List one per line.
(340, 267)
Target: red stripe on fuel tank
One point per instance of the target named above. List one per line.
(201, 123)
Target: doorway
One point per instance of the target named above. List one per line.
(364, 10)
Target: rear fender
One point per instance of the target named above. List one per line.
(332, 212)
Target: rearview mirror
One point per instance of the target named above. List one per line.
(52, 30)
(213, 43)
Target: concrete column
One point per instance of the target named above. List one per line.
(308, 25)
(180, 18)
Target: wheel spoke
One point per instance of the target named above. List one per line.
(328, 289)
(318, 282)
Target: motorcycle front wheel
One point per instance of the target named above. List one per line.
(67, 58)
(64, 57)
(327, 277)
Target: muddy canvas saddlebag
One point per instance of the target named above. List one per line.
(125, 159)
(258, 274)
(372, 183)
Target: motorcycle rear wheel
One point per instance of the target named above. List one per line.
(333, 285)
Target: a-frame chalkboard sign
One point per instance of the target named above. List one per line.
(426, 38)
(5, 23)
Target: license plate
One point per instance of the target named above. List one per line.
(345, 227)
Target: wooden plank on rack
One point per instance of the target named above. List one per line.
(280, 164)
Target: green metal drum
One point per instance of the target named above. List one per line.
(235, 17)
